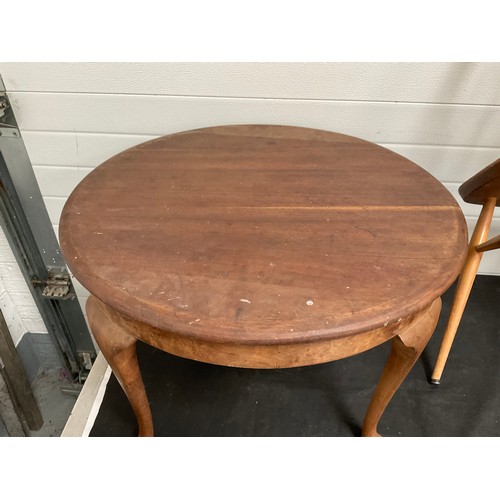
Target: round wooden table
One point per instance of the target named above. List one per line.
(262, 247)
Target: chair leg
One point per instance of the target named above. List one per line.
(464, 286)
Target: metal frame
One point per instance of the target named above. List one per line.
(28, 228)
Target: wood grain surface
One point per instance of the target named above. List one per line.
(263, 235)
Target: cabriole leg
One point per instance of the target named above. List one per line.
(119, 349)
(406, 349)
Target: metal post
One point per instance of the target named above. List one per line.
(28, 228)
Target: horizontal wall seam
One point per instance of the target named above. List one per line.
(155, 136)
(266, 98)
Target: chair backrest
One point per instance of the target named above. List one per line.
(485, 184)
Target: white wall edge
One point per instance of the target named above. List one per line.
(84, 413)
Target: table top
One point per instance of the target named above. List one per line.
(263, 234)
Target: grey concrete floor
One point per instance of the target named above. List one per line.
(54, 403)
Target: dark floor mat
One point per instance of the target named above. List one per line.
(189, 398)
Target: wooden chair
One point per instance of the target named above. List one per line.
(481, 189)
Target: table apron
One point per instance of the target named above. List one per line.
(258, 355)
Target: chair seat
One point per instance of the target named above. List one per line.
(485, 184)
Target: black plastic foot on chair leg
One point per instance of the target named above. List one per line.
(435, 381)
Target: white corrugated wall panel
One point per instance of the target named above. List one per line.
(435, 82)
(401, 123)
